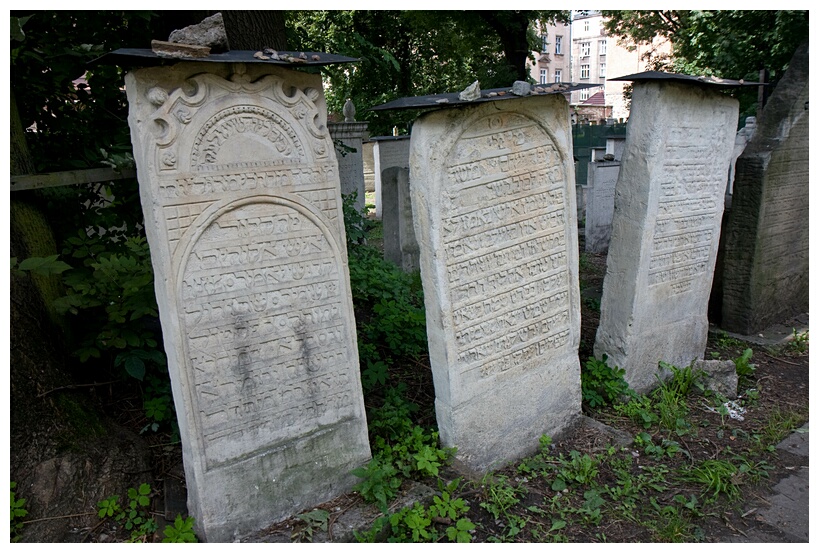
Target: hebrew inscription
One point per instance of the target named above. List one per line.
(689, 208)
(267, 338)
(504, 235)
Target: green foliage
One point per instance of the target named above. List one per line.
(39, 265)
(665, 447)
(315, 520)
(500, 495)
(733, 44)
(413, 52)
(380, 482)
(714, 476)
(18, 513)
(798, 343)
(444, 518)
(401, 448)
(601, 384)
(745, 369)
(134, 516)
(181, 531)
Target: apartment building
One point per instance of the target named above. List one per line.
(582, 52)
(552, 62)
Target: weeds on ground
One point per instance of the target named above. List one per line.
(136, 519)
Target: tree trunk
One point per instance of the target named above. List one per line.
(255, 29)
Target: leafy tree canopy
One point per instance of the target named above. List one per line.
(412, 53)
(732, 44)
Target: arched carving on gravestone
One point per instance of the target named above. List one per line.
(513, 163)
(266, 326)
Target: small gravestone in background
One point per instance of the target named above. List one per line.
(348, 138)
(492, 189)
(388, 151)
(765, 278)
(240, 190)
(400, 245)
(599, 196)
(665, 231)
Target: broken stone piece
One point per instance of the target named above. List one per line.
(316, 57)
(174, 50)
(261, 56)
(472, 92)
(442, 101)
(521, 88)
(210, 32)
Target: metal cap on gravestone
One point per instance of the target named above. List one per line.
(668, 207)
(240, 190)
(492, 186)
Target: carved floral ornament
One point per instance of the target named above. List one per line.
(177, 108)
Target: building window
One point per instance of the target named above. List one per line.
(584, 71)
(544, 76)
(584, 94)
(585, 49)
(558, 44)
(602, 71)
(558, 76)
(602, 47)
(544, 44)
(586, 25)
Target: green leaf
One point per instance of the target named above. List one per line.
(135, 367)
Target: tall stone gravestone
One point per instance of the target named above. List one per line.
(765, 279)
(240, 190)
(665, 231)
(600, 204)
(493, 198)
(388, 151)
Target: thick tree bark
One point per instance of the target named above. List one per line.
(255, 29)
(511, 27)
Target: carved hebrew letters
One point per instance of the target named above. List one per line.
(504, 235)
(689, 207)
(269, 334)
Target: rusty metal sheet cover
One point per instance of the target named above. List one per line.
(450, 99)
(663, 76)
(141, 57)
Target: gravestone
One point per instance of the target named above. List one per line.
(240, 190)
(766, 262)
(494, 210)
(600, 204)
(743, 136)
(665, 230)
(369, 167)
(400, 245)
(388, 151)
(615, 146)
(348, 139)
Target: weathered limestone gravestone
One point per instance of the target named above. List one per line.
(349, 137)
(765, 279)
(600, 204)
(493, 199)
(240, 189)
(400, 245)
(388, 151)
(665, 231)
